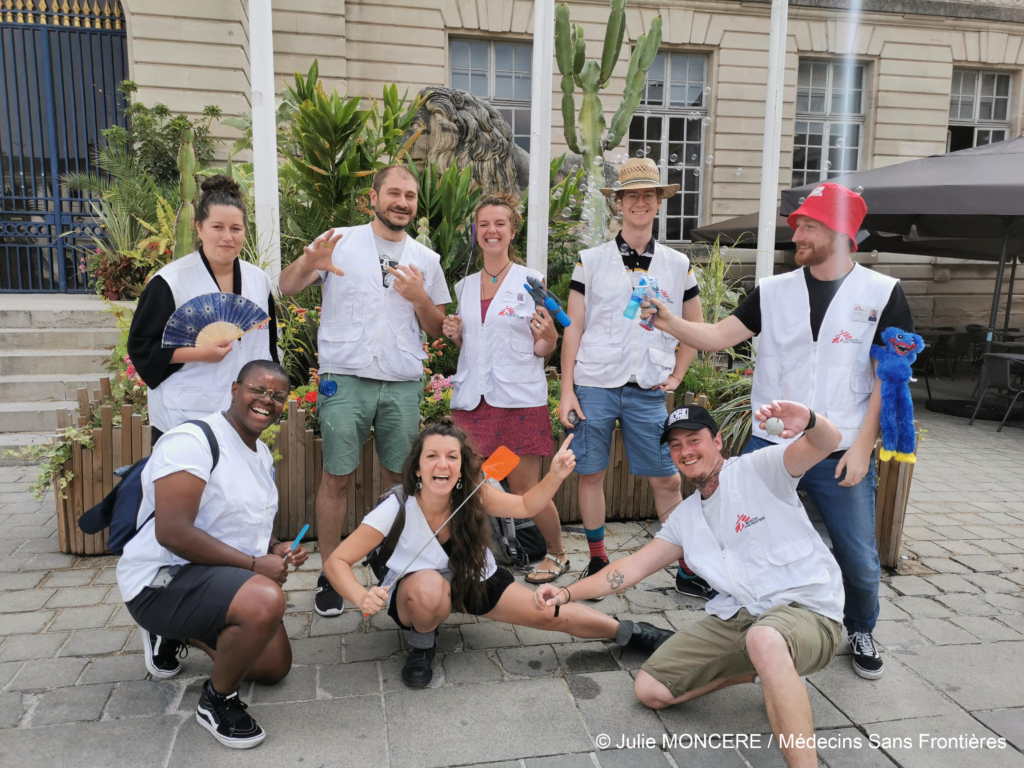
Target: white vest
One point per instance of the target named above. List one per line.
(833, 375)
(496, 361)
(614, 348)
(775, 557)
(361, 320)
(199, 389)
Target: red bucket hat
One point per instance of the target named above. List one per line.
(836, 207)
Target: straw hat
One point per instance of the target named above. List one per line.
(641, 173)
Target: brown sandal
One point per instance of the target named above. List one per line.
(548, 574)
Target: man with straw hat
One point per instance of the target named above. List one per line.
(614, 370)
(817, 325)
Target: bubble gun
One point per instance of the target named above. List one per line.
(648, 286)
(543, 297)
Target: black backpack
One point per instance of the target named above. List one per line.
(378, 558)
(119, 509)
(515, 541)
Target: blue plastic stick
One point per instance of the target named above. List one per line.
(297, 540)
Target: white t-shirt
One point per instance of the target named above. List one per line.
(237, 507)
(414, 533)
(771, 469)
(390, 253)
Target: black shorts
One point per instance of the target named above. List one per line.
(494, 588)
(193, 606)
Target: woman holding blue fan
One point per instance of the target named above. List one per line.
(500, 392)
(188, 375)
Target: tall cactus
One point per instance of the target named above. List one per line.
(587, 135)
(184, 228)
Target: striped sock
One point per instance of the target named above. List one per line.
(595, 540)
(685, 572)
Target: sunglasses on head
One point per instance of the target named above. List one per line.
(260, 392)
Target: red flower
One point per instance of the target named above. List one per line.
(310, 397)
(748, 372)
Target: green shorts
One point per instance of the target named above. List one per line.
(716, 649)
(391, 407)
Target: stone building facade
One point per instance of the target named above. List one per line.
(868, 83)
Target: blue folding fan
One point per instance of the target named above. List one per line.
(212, 318)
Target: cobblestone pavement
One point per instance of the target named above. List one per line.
(74, 690)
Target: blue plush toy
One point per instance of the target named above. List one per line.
(897, 417)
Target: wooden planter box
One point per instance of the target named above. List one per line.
(298, 471)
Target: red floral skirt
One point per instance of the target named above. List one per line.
(524, 431)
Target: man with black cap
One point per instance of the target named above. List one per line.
(780, 592)
(816, 327)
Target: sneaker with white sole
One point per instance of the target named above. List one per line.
(162, 655)
(595, 565)
(327, 602)
(226, 718)
(867, 661)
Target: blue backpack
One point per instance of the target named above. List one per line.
(119, 510)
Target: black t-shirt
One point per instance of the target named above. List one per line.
(820, 293)
(635, 262)
(156, 305)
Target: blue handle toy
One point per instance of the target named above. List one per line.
(542, 296)
(648, 286)
(297, 540)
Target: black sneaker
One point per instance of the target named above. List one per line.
(225, 717)
(419, 667)
(594, 566)
(694, 586)
(162, 655)
(867, 661)
(647, 638)
(327, 602)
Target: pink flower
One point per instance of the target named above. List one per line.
(437, 397)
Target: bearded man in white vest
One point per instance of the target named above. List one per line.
(614, 371)
(779, 597)
(381, 288)
(816, 326)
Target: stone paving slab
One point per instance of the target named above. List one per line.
(902, 741)
(110, 744)
(986, 676)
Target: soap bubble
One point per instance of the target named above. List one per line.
(875, 254)
(801, 201)
(616, 184)
(598, 161)
(624, 248)
(840, 142)
(672, 158)
(693, 157)
(585, 216)
(707, 91)
(574, 169)
(738, 172)
(567, 212)
(827, 165)
(859, 190)
(706, 122)
(724, 250)
(710, 159)
(639, 153)
(521, 210)
(696, 171)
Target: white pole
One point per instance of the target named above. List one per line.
(264, 135)
(540, 135)
(772, 138)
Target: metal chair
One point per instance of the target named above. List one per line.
(960, 347)
(1004, 374)
(921, 365)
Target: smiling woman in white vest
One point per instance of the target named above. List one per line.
(500, 392)
(816, 326)
(191, 382)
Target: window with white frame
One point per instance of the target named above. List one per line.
(499, 72)
(979, 108)
(829, 133)
(669, 128)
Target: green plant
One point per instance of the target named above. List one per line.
(447, 200)
(50, 457)
(184, 222)
(586, 135)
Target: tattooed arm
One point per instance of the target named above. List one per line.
(616, 577)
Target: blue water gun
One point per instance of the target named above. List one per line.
(648, 286)
(543, 297)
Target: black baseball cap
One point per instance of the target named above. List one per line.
(689, 417)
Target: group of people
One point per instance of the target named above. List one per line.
(208, 573)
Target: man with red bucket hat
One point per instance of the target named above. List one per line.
(816, 326)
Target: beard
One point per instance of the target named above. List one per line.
(813, 255)
(382, 217)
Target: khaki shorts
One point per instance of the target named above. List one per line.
(391, 407)
(715, 649)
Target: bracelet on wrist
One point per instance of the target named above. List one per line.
(811, 421)
(253, 567)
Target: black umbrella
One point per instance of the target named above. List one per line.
(943, 205)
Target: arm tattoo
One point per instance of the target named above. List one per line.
(615, 579)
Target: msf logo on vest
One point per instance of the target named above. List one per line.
(743, 522)
(845, 337)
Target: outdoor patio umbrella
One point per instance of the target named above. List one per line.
(960, 203)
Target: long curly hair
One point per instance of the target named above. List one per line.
(470, 529)
(515, 219)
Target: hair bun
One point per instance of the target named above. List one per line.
(221, 183)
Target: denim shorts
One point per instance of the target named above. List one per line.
(641, 413)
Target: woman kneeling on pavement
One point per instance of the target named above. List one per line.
(206, 571)
(457, 571)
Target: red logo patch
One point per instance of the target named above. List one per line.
(841, 337)
(741, 522)
(507, 312)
